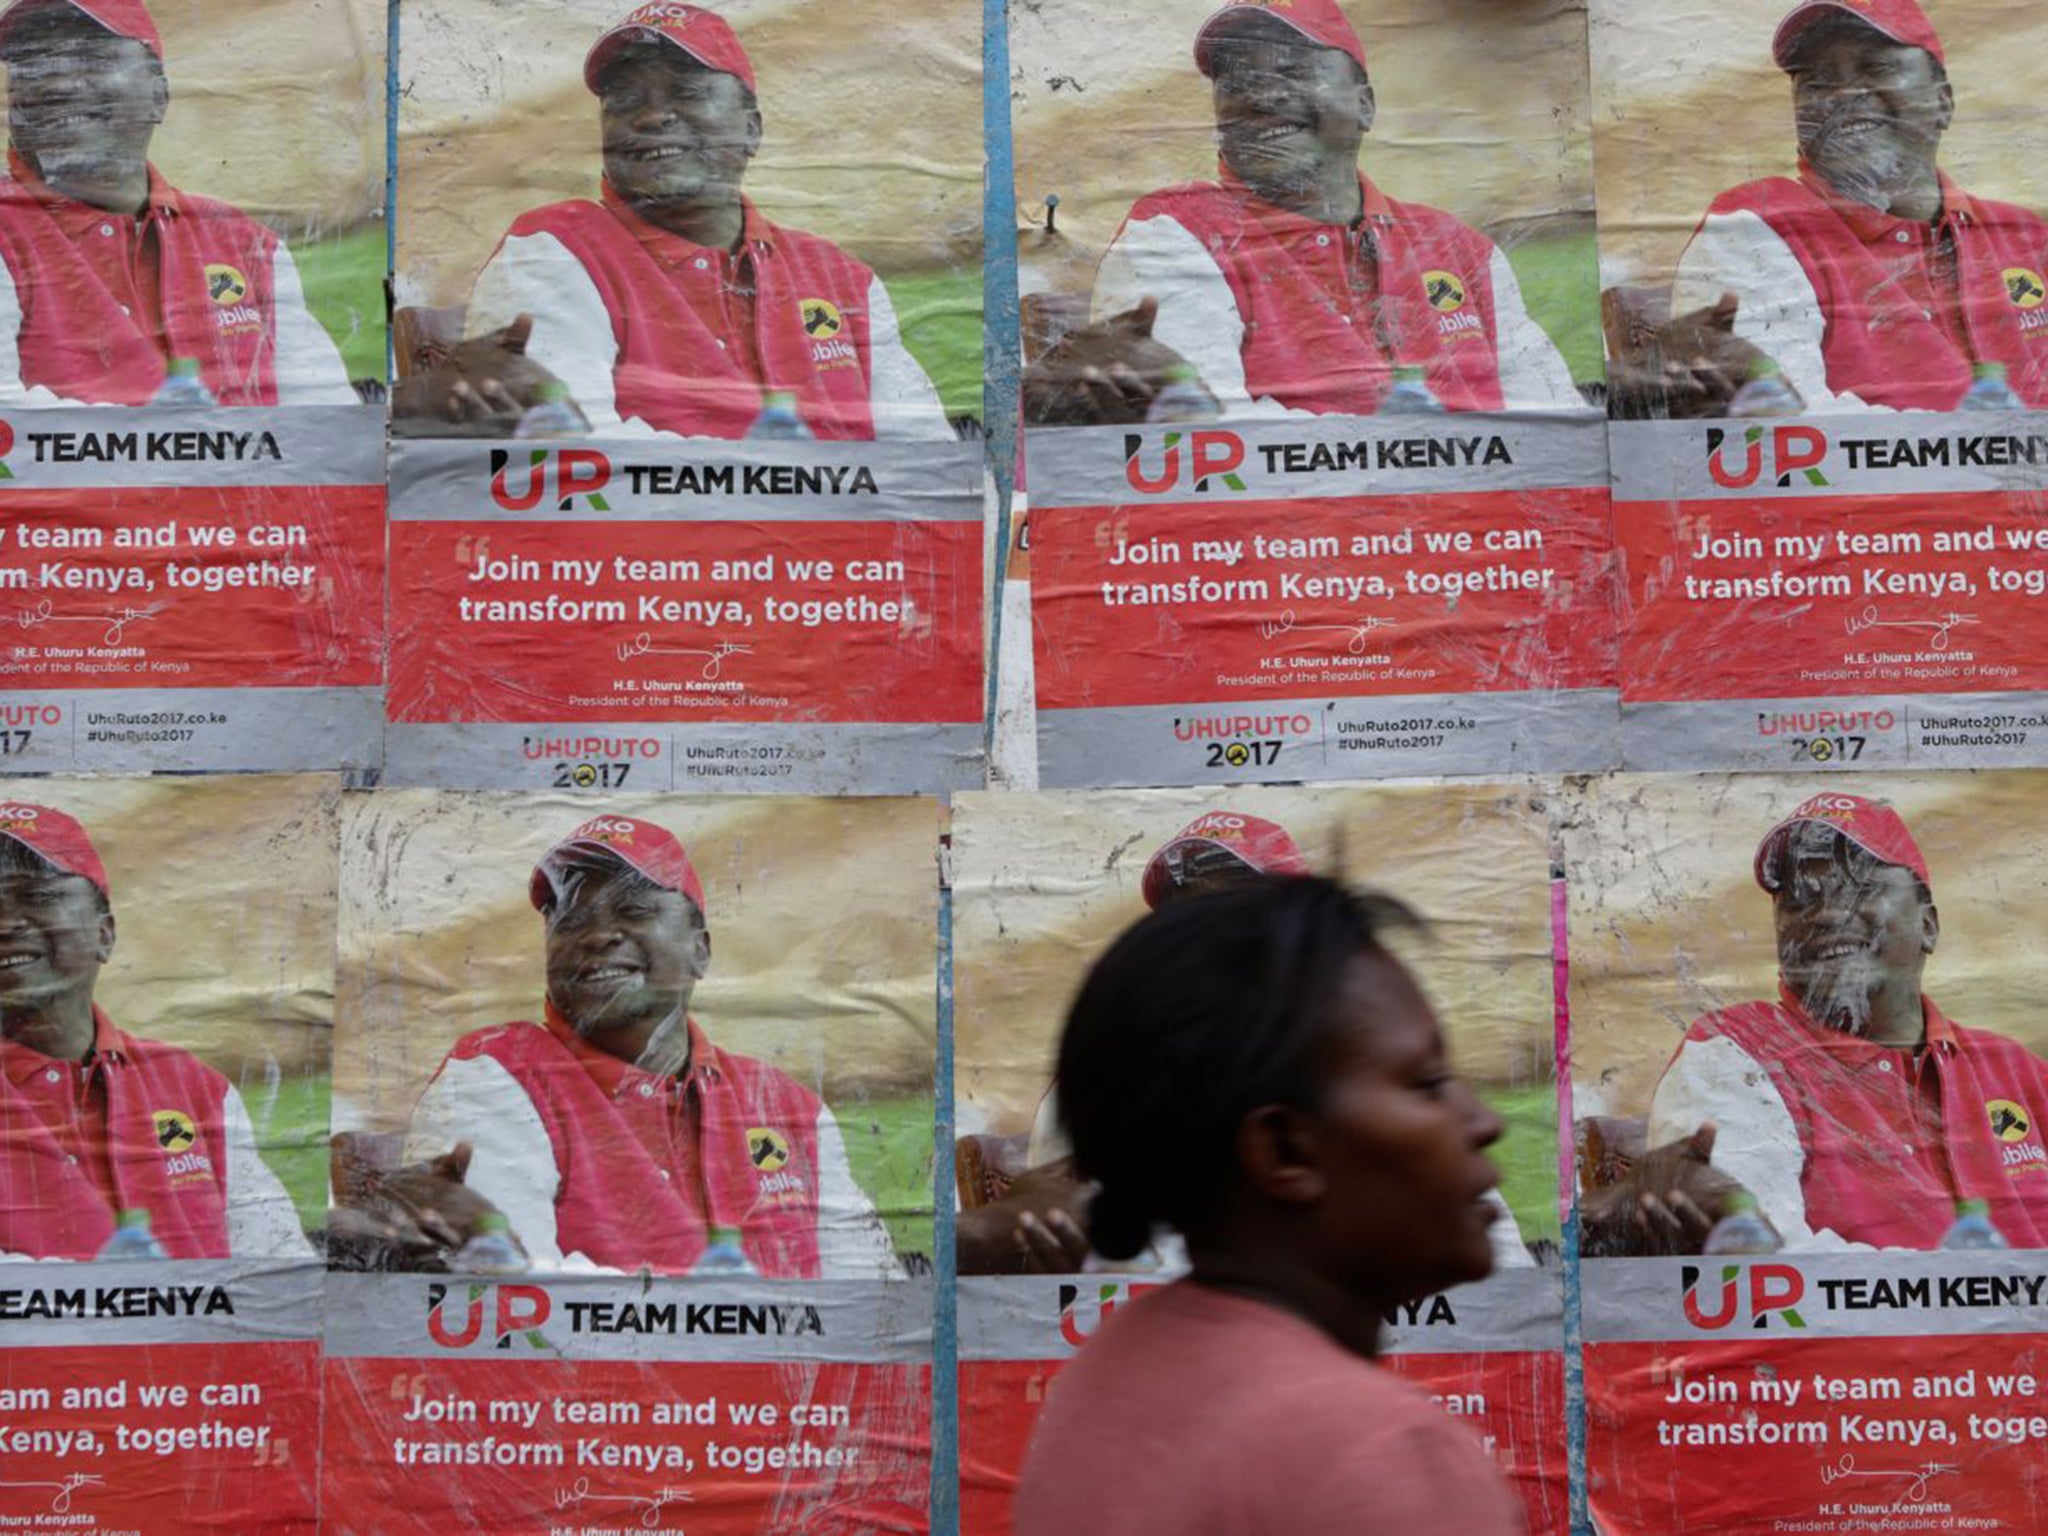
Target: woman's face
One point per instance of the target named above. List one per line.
(1402, 1142)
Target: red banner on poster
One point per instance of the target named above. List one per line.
(150, 1440)
(1936, 1432)
(701, 622)
(221, 587)
(628, 1448)
(1833, 595)
(1451, 593)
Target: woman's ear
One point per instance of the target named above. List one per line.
(1277, 1153)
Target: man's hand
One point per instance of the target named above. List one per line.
(1105, 374)
(1663, 368)
(1036, 1229)
(1666, 1203)
(474, 388)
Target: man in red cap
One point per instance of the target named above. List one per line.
(107, 271)
(1854, 1110)
(613, 1134)
(94, 1121)
(670, 304)
(1292, 284)
(1873, 279)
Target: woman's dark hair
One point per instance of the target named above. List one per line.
(1198, 1014)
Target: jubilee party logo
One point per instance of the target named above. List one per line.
(1736, 460)
(1198, 457)
(6, 447)
(1758, 1294)
(559, 475)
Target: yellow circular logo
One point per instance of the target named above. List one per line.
(821, 317)
(1446, 292)
(225, 285)
(174, 1129)
(2009, 1121)
(2024, 287)
(766, 1149)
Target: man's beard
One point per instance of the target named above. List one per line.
(1869, 166)
(1838, 994)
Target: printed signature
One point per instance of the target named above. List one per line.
(579, 1492)
(1917, 1479)
(1936, 641)
(45, 612)
(60, 1504)
(643, 644)
(1272, 629)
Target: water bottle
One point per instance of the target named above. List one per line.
(552, 414)
(1988, 391)
(1766, 392)
(724, 1258)
(1742, 1228)
(183, 387)
(1183, 398)
(1410, 395)
(490, 1250)
(778, 421)
(132, 1238)
(1972, 1227)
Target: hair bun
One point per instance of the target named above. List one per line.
(1115, 1229)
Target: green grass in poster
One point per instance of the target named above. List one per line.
(1560, 280)
(889, 1146)
(1527, 1158)
(940, 313)
(291, 1133)
(344, 282)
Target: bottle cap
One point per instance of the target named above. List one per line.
(778, 400)
(493, 1221)
(1761, 367)
(1182, 373)
(1738, 1202)
(1409, 373)
(730, 1236)
(1988, 371)
(1973, 1207)
(551, 392)
(184, 368)
(133, 1216)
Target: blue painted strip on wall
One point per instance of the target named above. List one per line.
(945, 1335)
(390, 178)
(1001, 344)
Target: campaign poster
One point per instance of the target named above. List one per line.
(1043, 883)
(1821, 255)
(1317, 486)
(166, 985)
(1822, 999)
(196, 582)
(634, 1130)
(687, 470)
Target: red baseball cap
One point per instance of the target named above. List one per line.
(641, 845)
(1262, 845)
(58, 840)
(1900, 20)
(1871, 825)
(704, 36)
(123, 18)
(1320, 21)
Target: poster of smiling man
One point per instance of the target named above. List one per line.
(1809, 1080)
